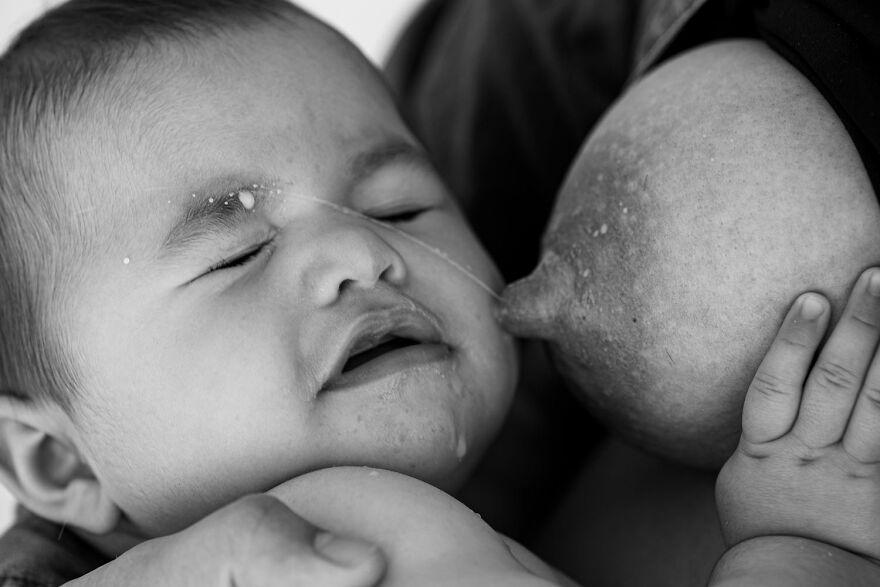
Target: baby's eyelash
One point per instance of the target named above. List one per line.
(243, 258)
(401, 216)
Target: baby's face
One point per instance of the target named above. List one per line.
(238, 324)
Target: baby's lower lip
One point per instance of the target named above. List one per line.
(388, 364)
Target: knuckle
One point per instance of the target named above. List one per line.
(753, 452)
(255, 536)
(249, 510)
(865, 319)
(871, 394)
(796, 339)
(770, 386)
(247, 522)
(305, 571)
(274, 568)
(834, 376)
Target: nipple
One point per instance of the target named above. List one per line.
(533, 306)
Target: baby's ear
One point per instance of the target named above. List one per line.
(44, 470)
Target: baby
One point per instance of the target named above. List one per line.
(227, 264)
(189, 313)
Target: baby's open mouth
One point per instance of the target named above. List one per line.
(385, 342)
(386, 345)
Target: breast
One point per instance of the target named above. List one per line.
(713, 192)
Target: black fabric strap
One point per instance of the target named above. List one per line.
(836, 44)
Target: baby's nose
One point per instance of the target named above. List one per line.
(345, 256)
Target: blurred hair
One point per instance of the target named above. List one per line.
(50, 74)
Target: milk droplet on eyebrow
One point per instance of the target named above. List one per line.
(247, 199)
(126, 261)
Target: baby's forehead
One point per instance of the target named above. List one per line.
(214, 117)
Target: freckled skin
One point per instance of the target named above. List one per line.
(741, 189)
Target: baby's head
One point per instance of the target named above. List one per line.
(226, 262)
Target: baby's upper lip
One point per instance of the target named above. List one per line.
(403, 320)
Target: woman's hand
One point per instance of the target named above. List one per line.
(256, 541)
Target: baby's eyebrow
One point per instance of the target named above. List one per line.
(215, 208)
(392, 150)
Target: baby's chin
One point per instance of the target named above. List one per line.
(430, 423)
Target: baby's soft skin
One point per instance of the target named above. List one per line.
(807, 468)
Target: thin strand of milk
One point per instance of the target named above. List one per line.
(345, 210)
(433, 250)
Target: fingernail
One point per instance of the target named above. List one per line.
(874, 284)
(346, 552)
(811, 307)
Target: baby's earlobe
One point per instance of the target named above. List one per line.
(46, 474)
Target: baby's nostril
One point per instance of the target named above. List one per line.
(345, 284)
(390, 274)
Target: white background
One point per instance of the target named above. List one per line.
(371, 24)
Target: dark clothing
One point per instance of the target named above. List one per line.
(836, 45)
(504, 92)
(37, 553)
(659, 25)
(833, 43)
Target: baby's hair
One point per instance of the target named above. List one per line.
(53, 71)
